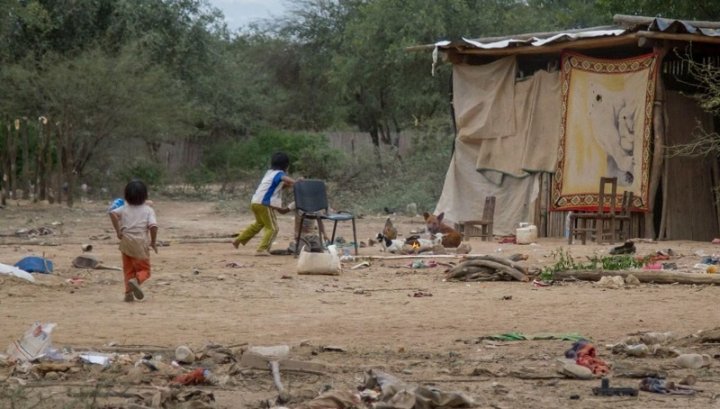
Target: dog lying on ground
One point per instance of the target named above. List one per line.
(433, 224)
(408, 245)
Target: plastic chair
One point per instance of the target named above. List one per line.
(311, 202)
(481, 228)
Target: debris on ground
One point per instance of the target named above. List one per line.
(487, 268)
(662, 386)
(35, 264)
(606, 390)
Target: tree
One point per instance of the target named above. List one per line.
(96, 99)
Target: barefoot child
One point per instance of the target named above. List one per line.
(265, 202)
(133, 223)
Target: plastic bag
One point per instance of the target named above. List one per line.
(318, 263)
(34, 344)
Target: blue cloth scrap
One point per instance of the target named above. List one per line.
(34, 264)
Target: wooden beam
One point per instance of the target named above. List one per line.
(553, 48)
(698, 38)
(626, 20)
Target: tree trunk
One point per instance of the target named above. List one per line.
(68, 165)
(47, 160)
(4, 169)
(12, 152)
(26, 182)
(58, 168)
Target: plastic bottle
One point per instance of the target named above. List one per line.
(567, 224)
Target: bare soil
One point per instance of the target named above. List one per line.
(195, 298)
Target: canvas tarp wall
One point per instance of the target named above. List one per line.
(508, 131)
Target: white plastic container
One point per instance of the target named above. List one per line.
(526, 235)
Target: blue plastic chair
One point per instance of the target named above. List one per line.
(311, 202)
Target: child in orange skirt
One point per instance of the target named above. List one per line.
(136, 228)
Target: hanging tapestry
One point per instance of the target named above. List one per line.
(607, 108)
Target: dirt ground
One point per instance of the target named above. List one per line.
(194, 298)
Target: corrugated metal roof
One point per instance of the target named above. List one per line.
(626, 25)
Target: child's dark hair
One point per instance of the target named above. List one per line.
(136, 192)
(279, 161)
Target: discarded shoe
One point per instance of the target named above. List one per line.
(627, 248)
(135, 288)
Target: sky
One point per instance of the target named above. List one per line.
(239, 13)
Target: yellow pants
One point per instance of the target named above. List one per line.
(264, 220)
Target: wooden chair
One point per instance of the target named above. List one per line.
(624, 218)
(480, 228)
(599, 225)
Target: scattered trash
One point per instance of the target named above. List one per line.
(91, 262)
(612, 283)
(400, 395)
(506, 297)
(198, 376)
(693, 361)
(575, 371)
(86, 248)
(34, 264)
(715, 241)
(656, 385)
(606, 390)
(418, 264)
(272, 355)
(627, 248)
(540, 283)
(419, 293)
(337, 399)
(39, 231)
(184, 354)
(507, 240)
(318, 263)
(364, 264)
(332, 348)
(96, 359)
(518, 336)
(16, 272)
(585, 355)
(75, 281)
(34, 344)
(234, 264)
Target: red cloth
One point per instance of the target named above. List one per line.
(195, 377)
(586, 356)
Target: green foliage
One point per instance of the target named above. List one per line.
(374, 180)
(149, 172)
(564, 261)
(310, 154)
(200, 179)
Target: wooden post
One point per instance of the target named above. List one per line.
(658, 143)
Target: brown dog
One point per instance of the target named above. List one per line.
(434, 224)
